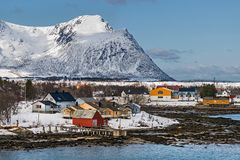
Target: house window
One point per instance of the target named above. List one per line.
(38, 106)
(160, 96)
(52, 107)
(160, 92)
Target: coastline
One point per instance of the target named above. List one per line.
(195, 127)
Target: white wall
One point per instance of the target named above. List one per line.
(65, 104)
(44, 108)
(186, 98)
(35, 109)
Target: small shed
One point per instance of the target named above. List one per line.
(216, 101)
(134, 107)
(88, 118)
(69, 111)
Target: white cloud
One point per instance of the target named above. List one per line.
(171, 55)
(205, 72)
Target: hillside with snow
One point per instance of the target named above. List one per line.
(86, 46)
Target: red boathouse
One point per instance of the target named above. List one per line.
(88, 118)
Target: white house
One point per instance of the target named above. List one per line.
(188, 94)
(223, 94)
(132, 96)
(45, 106)
(62, 99)
(236, 100)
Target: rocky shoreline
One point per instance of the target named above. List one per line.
(195, 127)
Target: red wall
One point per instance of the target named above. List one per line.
(84, 122)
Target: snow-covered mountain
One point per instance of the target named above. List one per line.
(86, 46)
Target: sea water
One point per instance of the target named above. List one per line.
(231, 116)
(130, 152)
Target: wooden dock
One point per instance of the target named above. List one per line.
(105, 132)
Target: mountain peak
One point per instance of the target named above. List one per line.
(89, 24)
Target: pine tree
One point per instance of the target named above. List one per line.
(30, 90)
(208, 90)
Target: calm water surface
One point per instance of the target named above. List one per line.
(231, 116)
(131, 152)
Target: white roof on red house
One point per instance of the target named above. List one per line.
(84, 114)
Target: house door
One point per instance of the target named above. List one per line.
(94, 123)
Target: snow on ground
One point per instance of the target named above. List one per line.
(6, 132)
(11, 74)
(141, 121)
(26, 118)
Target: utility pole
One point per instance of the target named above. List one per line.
(26, 93)
(214, 81)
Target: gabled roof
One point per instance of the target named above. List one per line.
(111, 105)
(190, 89)
(47, 103)
(84, 114)
(79, 101)
(88, 99)
(62, 96)
(88, 106)
(174, 88)
(134, 105)
(72, 108)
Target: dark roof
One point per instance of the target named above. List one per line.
(190, 89)
(48, 103)
(88, 99)
(62, 96)
(111, 105)
(136, 91)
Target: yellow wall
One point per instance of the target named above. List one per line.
(165, 92)
(216, 102)
(67, 112)
(113, 114)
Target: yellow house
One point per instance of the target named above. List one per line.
(126, 112)
(160, 94)
(111, 113)
(68, 111)
(215, 101)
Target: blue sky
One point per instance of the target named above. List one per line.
(188, 39)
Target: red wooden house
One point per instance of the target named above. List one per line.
(88, 118)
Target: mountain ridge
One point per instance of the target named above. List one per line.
(85, 46)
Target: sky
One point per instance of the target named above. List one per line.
(187, 39)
